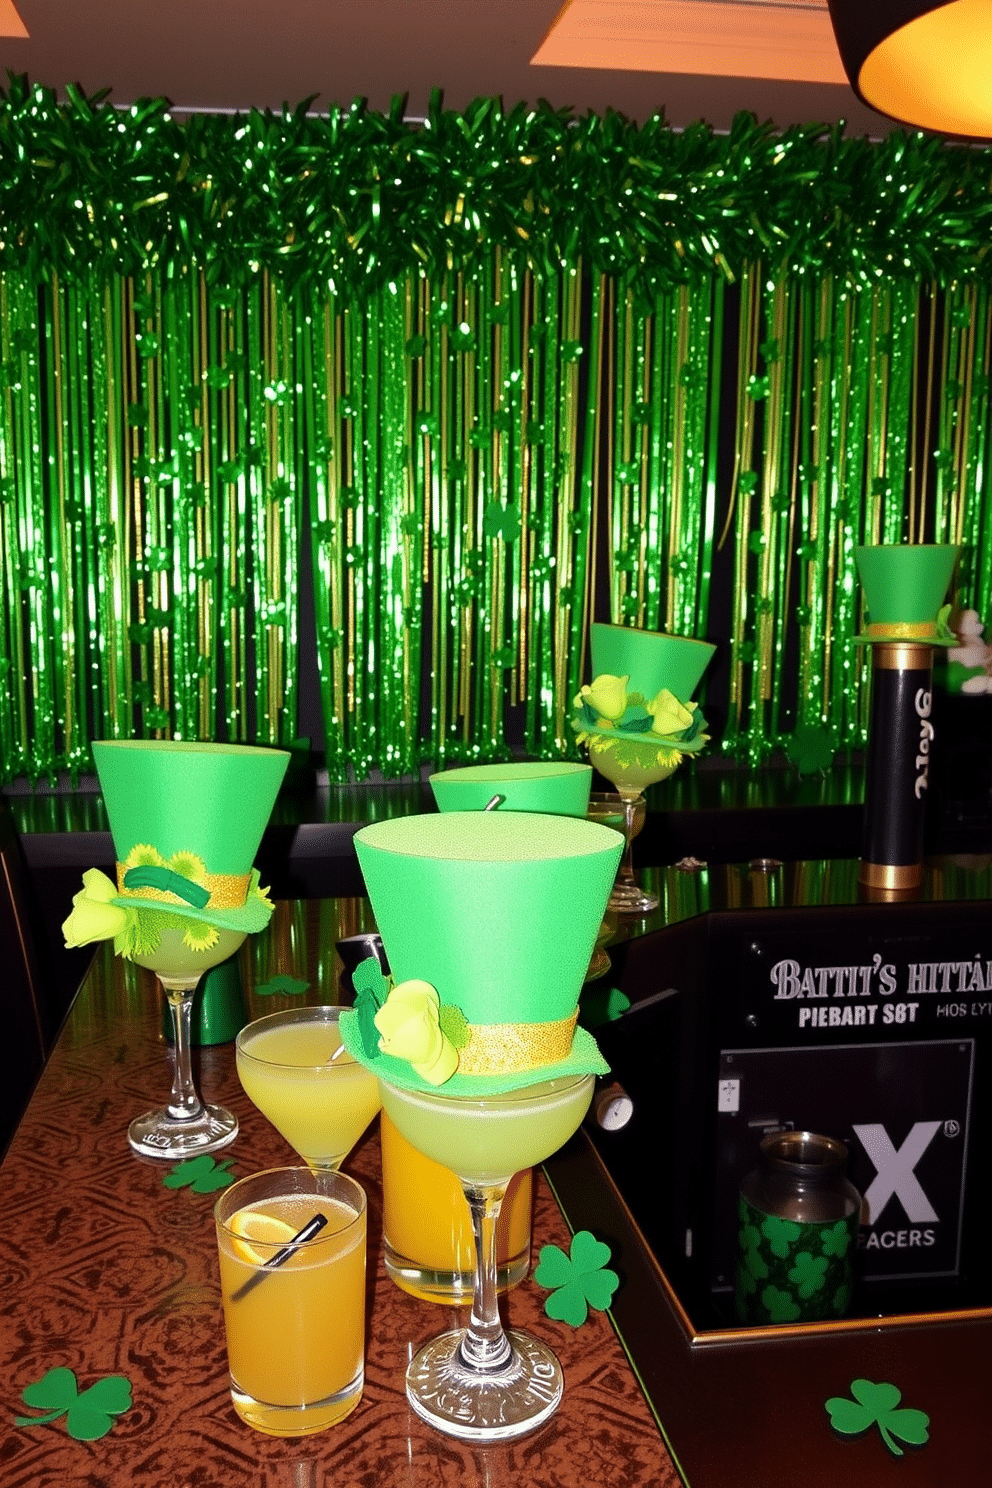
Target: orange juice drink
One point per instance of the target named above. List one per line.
(427, 1229)
(294, 1317)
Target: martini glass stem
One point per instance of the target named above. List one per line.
(485, 1346)
(185, 1104)
(625, 873)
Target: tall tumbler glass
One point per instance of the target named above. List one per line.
(292, 1272)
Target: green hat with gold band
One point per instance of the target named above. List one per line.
(186, 819)
(554, 787)
(488, 921)
(904, 586)
(651, 660)
(637, 717)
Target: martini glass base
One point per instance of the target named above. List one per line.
(484, 1406)
(162, 1135)
(627, 898)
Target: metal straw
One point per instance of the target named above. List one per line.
(311, 1228)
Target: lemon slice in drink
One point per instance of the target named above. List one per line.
(254, 1225)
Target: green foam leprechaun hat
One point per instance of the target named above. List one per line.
(554, 787)
(186, 820)
(904, 585)
(488, 920)
(651, 660)
(637, 716)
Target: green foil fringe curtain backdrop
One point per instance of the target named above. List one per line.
(470, 383)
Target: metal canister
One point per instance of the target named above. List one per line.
(799, 1217)
(898, 765)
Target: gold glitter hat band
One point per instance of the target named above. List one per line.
(905, 631)
(509, 1048)
(497, 1070)
(181, 885)
(209, 891)
(922, 632)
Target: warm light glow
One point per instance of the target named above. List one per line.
(790, 40)
(10, 22)
(936, 72)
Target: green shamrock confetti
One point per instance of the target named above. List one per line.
(810, 749)
(371, 990)
(578, 1279)
(201, 1174)
(289, 986)
(88, 1415)
(876, 1405)
(501, 521)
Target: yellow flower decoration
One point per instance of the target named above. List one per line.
(198, 936)
(93, 916)
(410, 1029)
(606, 696)
(668, 715)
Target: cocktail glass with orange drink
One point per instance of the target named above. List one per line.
(294, 1313)
(427, 1242)
(295, 1069)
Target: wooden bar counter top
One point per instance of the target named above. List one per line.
(107, 1271)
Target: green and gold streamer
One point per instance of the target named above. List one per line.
(465, 362)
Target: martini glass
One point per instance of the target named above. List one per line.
(481, 1383)
(186, 1126)
(608, 808)
(295, 1069)
(631, 767)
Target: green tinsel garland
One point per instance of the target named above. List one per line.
(356, 199)
(453, 353)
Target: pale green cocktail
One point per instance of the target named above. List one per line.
(187, 1126)
(486, 1139)
(481, 1383)
(173, 961)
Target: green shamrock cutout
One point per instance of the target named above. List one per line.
(808, 1273)
(810, 749)
(837, 1239)
(201, 1174)
(501, 521)
(371, 990)
(89, 1415)
(781, 1234)
(779, 1305)
(876, 1405)
(291, 986)
(579, 1278)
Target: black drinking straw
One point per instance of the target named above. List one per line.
(311, 1228)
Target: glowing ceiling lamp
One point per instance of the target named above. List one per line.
(919, 61)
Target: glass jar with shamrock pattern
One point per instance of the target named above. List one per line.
(798, 1218)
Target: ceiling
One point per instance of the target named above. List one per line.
(234, 54)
